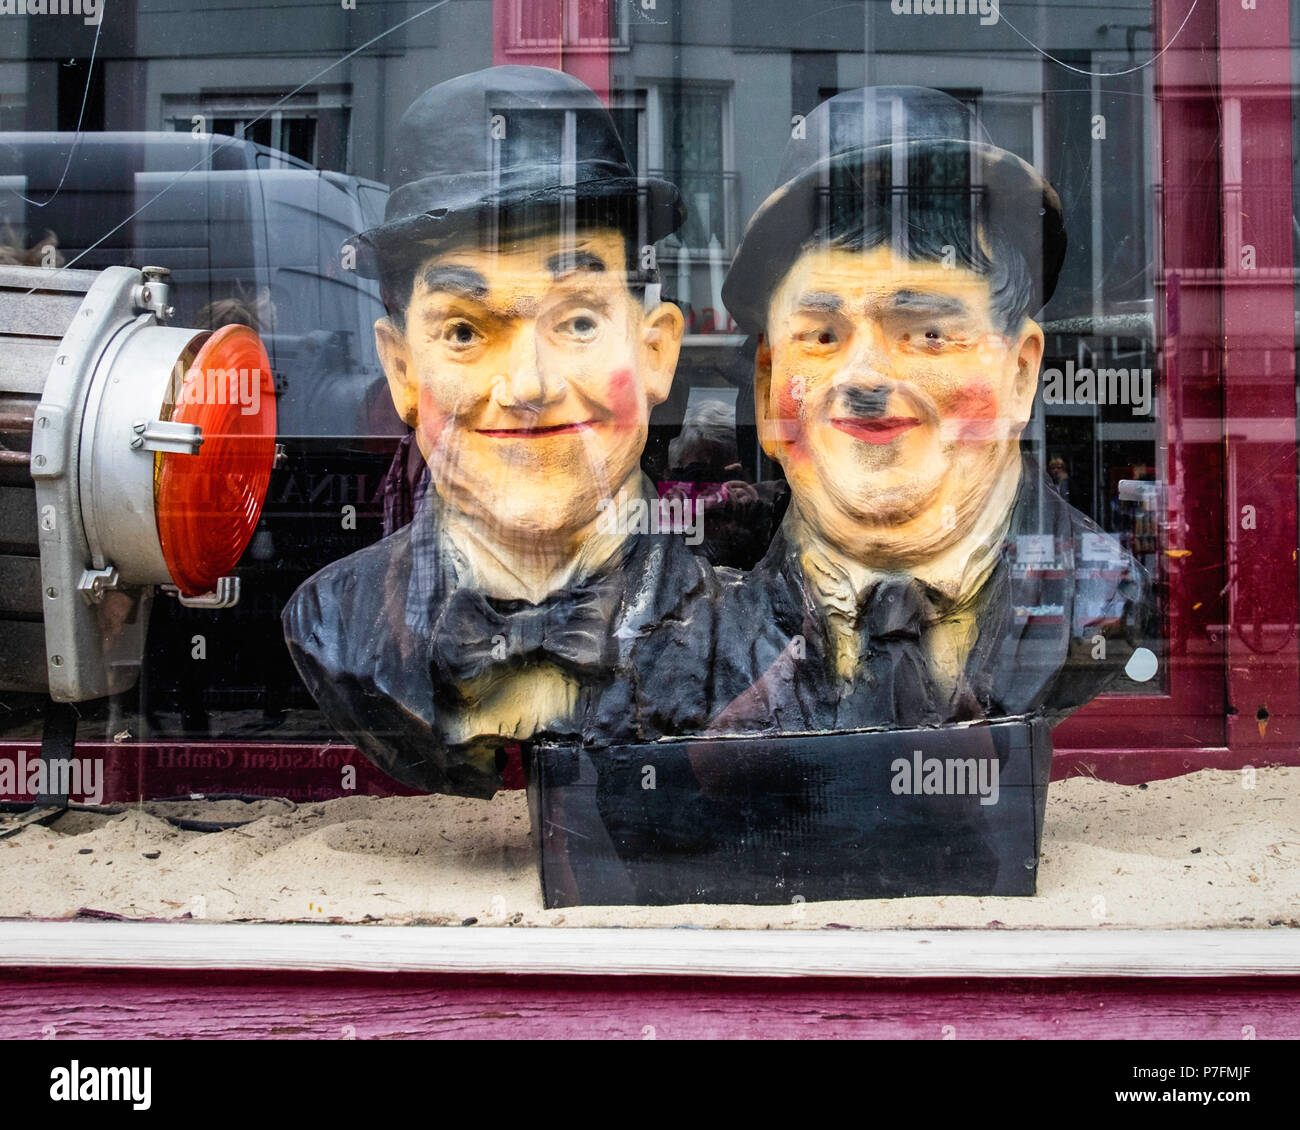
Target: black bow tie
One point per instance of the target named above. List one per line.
(570, 628)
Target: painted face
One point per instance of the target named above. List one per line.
(529, 373)
(891, 399)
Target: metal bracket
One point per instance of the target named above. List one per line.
(154, 294)
(78, 665)
(159, 435)
(48, 455)
(95, 583)
(225, 595)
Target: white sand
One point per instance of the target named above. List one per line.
(1113, 855)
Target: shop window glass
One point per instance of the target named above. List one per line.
(252, 158)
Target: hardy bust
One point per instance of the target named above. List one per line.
(890, 279)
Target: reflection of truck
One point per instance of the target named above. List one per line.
(255, 236)
(242, 228)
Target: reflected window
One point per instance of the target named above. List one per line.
(544, 25)
(312, 126)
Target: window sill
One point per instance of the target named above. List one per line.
(924, 954)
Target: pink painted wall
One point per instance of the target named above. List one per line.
(94, 1004)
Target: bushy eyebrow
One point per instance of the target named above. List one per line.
(564, 263)
(922, 302)
(820, 300)
(461, 281)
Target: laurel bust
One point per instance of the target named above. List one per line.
(526, 349)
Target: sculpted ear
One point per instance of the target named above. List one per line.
(762, 395)
(395, 357)
(1029, 357)
(661, 343)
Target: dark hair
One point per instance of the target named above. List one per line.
(938, 226)
(397, 276)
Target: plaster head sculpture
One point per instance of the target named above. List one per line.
(523, 344)
(891, 276)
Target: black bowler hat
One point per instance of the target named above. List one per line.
(877, 146)
(506, 142)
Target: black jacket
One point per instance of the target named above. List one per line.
(755, 654)
(359, 634)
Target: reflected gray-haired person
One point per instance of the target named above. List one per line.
(708, 437)
(924, 572)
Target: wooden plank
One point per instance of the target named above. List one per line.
(95, 1004)
(18, 530)
(40, 315)
(25, 362)
(46, 281)
(20, 588)
(25, 663)
(649, 952)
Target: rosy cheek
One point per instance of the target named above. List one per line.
(433, 416)
(973, 410)
(789, 401)
(439, 429)
(787, 417)
(624, 398)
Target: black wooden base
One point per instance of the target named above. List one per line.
(866, 814)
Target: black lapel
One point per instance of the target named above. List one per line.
(796, 613)
(1023, 642)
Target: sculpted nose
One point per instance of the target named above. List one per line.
(528, 383)
(866, 377)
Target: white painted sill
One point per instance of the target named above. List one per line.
(930, 954)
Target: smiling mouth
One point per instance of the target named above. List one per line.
(884, 429)
(535, 433)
